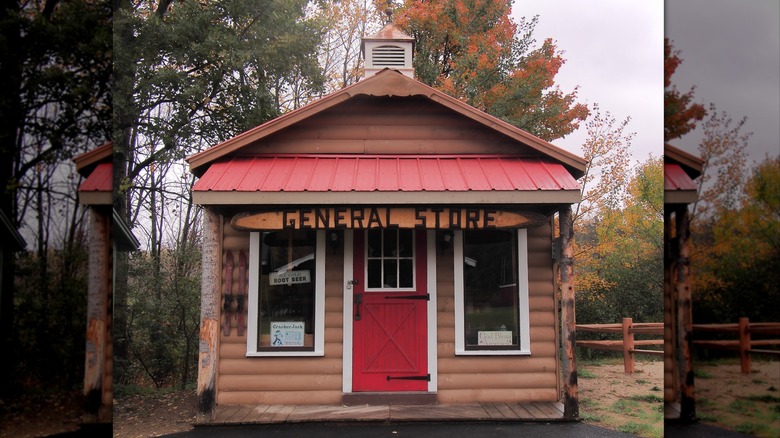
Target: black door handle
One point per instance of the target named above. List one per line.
(358, 299)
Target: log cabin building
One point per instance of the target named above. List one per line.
(680, 190)
(386, 244)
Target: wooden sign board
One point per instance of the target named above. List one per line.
(385, 217)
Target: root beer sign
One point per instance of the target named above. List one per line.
(385, 217)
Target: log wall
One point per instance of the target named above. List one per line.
(398, 125)
(282, 380)
(468, 379)
(462, 379)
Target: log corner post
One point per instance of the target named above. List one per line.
(209, 317)
(684, 319)
(96, 408)
(571, 406)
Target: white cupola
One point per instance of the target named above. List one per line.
(388, 48)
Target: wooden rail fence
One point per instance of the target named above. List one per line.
(627, 345)
(744, 344)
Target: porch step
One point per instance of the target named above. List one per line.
(389, 398)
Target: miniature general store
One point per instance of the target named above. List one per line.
(386, 244)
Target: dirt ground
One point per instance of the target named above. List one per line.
(630, 403)
(746, 403)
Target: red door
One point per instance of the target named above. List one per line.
(390, 311)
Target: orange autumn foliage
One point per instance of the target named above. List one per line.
(474, 51)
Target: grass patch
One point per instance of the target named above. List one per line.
(656, 389)
(588, 403)
(625, 407)
(585, 374)
(590, 418)
(742, 406)
(648, 398)
(767, 398)
(701, 374)
(643, 381)
(751, 428)
(636, 429)
(707, 417)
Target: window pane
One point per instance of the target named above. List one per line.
(374, 273)
(374, 243)
(490, 289)
(390, 240)
(390, 274)
(287, 292)
(405, 273)
(405, 243)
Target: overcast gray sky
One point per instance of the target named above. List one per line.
(731, 53)
(614, 53)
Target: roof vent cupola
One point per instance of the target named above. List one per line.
(388, 48)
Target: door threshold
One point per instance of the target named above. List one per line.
(388, 398)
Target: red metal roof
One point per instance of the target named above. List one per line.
(100, 180)
(339, 173)
(675, 178)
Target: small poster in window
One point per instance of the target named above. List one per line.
(495, 338)
(287, 334)
(289, 277)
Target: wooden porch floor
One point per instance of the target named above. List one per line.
(528, 411)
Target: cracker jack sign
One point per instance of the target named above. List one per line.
(287, 334)
(385, 217)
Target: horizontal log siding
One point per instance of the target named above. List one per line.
(396, 125)
(469, 379)
(283, 380)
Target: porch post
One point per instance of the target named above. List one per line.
(684, 320)
(99, 282)
(568, 331)
(209, 315)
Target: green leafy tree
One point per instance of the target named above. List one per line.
(55, 102)
(189, 75)
(626, 255)
(472, 50)
(736, 276)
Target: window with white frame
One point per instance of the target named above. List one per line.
(286, 293)
(390, 259)
(491, 292)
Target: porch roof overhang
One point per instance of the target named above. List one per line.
(679, 188)
(97, 187)
(386, 179)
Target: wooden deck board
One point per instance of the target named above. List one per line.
(546, 409)
(520, 411)
(505, 411)
(338, 413)
(246, 412)
(224, 413)
(262, 414)
(437, 412)
(534, 411)
(491, 410)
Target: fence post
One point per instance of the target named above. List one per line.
(628, 345)
(744, 344)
